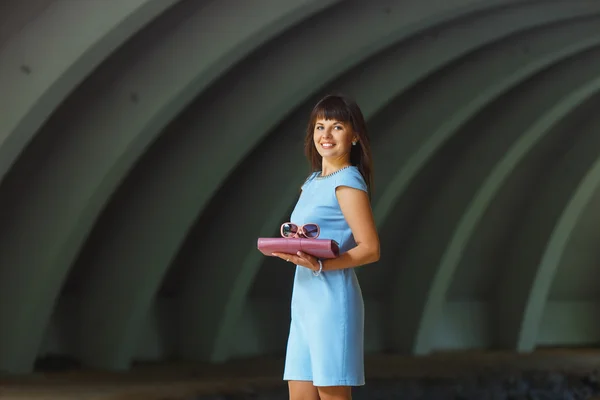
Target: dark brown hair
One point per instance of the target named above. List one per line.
(341, 108)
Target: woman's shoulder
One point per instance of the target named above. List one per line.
(308, 179)
(352, 170)
(352, 177)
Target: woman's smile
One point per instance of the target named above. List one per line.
(333, 138)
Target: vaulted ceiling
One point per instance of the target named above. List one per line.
(146, 144)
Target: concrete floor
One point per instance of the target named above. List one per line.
(187, 381)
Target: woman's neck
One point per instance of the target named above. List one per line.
(331, 166)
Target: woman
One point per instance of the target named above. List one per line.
(325, 346)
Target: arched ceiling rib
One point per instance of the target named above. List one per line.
(431, 280)
(472, 248)
(169, 91)
(581, 255)
(428, 281)
(379, 80)
(81, 35)
(581, 205)
(312, 61)
(204, 279)
(524, 287)
(166, 73)
(479, 240)
(506, 66)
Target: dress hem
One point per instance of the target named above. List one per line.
(339, 382)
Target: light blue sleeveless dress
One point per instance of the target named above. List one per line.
(326, 339)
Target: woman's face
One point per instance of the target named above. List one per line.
(333, 139)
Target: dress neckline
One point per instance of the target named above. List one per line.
(319, 176)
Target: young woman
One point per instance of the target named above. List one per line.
(325, 346)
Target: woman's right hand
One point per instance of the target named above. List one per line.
(302, 259)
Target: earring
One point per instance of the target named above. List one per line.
(354, 143)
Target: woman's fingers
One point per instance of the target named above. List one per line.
(305, 256)
(301, 258)
(308, 260)
(286, 257)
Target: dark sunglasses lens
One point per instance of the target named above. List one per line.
(289, 229)
(311, 230)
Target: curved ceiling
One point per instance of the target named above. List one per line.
(147, 144)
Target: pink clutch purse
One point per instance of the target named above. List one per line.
(320, 248)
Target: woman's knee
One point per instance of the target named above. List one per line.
(302, 390)
(335, 392)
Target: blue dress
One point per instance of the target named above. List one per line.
(326, 339)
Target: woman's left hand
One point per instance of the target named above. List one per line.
(303, 259)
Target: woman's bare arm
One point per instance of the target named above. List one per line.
(356, 207)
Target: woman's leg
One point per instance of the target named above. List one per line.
(302, 390)
(335, 392)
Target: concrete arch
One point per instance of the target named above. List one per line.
(42, 84)
(216, 115)
(222, 312)
(579, 259)
(66, 230)
(570, 279)
(427, 287)
(473, 217)
(167, 84)
(82, 43)
(84, 188)
(556, 204)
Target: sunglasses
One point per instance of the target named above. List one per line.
(310, 231)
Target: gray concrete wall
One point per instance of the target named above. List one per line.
(136, 136)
